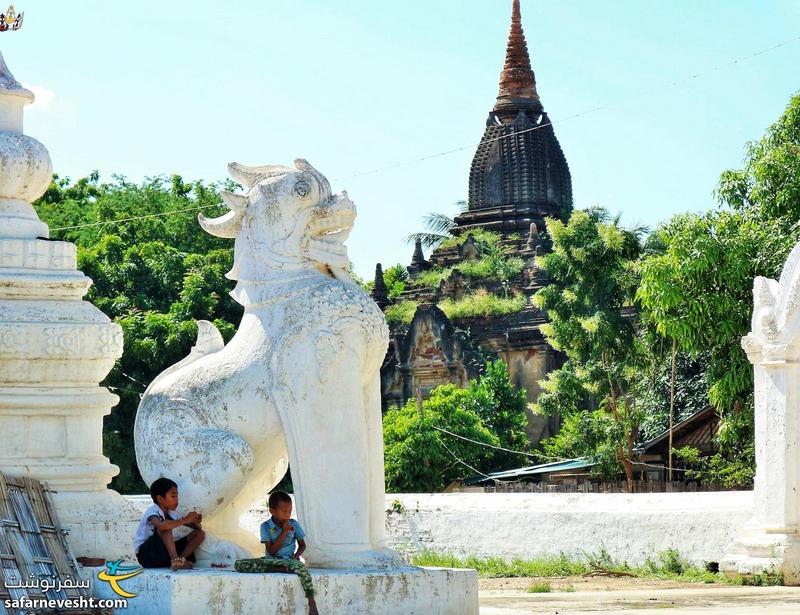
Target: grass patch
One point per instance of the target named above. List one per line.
(667, 565)
(481, 236)
(763, 578)
(401, 313)
(540, 588)
(497, 567)
(482, 303)
(433, 277)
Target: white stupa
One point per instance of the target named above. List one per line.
(54, 350)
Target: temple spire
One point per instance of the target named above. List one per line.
(517, 81)
(379, 292)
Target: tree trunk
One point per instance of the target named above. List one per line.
(628, 464)
(671, 408)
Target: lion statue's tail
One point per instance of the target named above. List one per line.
(209, 341)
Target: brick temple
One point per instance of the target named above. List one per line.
(518, 176)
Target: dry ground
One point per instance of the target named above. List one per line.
(634, 596)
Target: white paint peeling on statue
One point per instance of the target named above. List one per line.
(771, 540)
(54, 349)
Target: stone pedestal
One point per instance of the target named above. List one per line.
(409, 591)
(54, 349)
(770, 542)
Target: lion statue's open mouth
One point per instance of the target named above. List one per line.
(328, 231)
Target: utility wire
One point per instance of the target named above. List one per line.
(165, 213)
(465, 464)
(513, 134)
(536, 457)
(498, 448)
(689, 79)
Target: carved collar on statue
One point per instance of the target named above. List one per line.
(283, 284)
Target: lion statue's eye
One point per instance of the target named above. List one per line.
(302, 188)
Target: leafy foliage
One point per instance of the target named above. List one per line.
(490, 411)
(495, 263)
(696, 283)
(482, 303)
(401, 313)
(592, 280)
(439, 229)
(154, 276)
(395, 278)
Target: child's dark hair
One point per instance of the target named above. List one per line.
(277, 497)
(160, 487)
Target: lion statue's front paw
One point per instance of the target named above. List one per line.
(218, 552)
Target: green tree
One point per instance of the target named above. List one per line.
(592, 283)
(154, 274)
(696, 282)
(491, 412)
(502, 409)
(418, 457)
(395, 278)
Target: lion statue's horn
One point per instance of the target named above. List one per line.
(248, 176)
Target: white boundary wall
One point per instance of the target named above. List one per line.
(701, 526)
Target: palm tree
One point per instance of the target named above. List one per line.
(440, 228)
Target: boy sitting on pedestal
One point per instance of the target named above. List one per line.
(154, 543)
(284, 541)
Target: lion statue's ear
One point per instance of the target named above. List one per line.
(303, 165)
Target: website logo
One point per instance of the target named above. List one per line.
(10, 20)
(116, 573)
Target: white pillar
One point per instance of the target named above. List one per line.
(771, 541)
(54, 349)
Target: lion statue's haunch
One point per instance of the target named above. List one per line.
(300, 379)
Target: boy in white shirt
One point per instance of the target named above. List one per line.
(154, 543)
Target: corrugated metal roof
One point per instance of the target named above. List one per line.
(544, 468)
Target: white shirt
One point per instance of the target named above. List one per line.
(146, 529)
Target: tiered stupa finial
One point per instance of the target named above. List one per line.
(25, 167)
(519, 174)
(379, 291)
(517, 81)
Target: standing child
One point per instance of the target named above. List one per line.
(154, 543)
(284, 540)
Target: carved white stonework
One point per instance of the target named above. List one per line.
(25, 167)
(298, 383)
(54, 349)
(771, 541)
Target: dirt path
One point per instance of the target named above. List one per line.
(692, 600)
(581, 584)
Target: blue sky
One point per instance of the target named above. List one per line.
(146, 88)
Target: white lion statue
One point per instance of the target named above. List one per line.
(300, 375)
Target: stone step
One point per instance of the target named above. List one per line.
(407, 591)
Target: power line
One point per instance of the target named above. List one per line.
(513, 134)
(689, 79)
(165, 213)
(498, 448)
(534, 456)
(464, 463)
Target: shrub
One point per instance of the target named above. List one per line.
(401, 313)
(481, 303)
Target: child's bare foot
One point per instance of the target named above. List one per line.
(188, 564)
(312, 607)
(178, 563)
